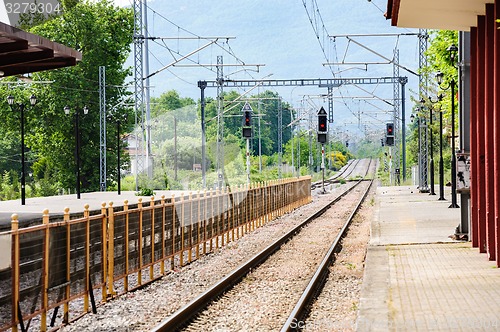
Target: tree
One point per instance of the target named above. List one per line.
(103, 33)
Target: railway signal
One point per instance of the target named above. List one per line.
(247, 121)
(389, 134)
(322, 126)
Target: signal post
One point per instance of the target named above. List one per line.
(247, 133)
(322, 138)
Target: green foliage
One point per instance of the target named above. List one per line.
(103, 33)
(439, 59)
(145, 192)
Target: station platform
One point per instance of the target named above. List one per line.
(416, 277)
(32, 211)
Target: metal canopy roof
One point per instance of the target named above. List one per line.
(436, 14)
(22, 52)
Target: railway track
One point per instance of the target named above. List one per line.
(343, 174)
(269, 274)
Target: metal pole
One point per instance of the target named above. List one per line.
(403, 125)
(77, 138)
(23, 165)
(323, 166)
(441, 166)
(175, 148)
(248, 160)
(453, 155)
(118, 174)
(202, 85)
(431, 161)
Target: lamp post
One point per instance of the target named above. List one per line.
(21, 106)
(441, 165)
(452, 50)
(78, 143)
(431, 142)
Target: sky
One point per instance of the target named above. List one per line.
(279, 35)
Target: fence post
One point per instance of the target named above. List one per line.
(15, 270)
(172, 258)
(151, 267)
(68, 266)
(190, 246)
(125, 209)
(45, 295)
(181, 255)
(104, 252)
(111, 249)
(162, 262)
(198, 227)
(139, 240)
(86, 214)
(205, 201)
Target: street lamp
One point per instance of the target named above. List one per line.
(431, 141)
(21, 106)
(78, 144)
(453, 49)
(441, 164)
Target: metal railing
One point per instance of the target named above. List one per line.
(91, 259)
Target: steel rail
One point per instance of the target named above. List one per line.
(320, 276)
(334, 178)
(185, 314)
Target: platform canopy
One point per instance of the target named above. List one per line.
(22, 52)
(435, 14)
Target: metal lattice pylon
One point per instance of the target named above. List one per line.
(396, 163)
(102, 127)
(220, 123)
(423, 83)
(138, 90)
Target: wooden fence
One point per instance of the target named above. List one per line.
(91, 259)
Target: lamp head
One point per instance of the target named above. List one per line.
(66, 110)
(85, 109)
(33, 100)
(439, 77)
(10, 100)
(453, 49)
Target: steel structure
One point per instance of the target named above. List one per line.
(396, 162)
(329, 83)
(102, 128)
(422, 119)
(220, 123)
(138, 89)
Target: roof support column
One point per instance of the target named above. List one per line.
(480, 144)
(496, 131)
(474, 155)
(488, 132)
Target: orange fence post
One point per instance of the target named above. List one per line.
(15, 270)
(181, 255)
(86, 214)
(139, 239)
(190, 246)
(172, 258)
(151, 267)
(125, 281)
(111, 249)
(104, 253)
(45, 269)
(163, 230)
(204, 222)
(68, 266)
(198, 227)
